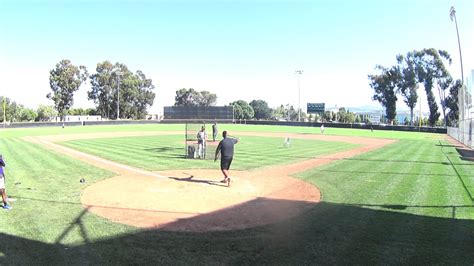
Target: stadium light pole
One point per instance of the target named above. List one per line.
(4, 112)
(299, 72)
(118, 73)
(452, 15)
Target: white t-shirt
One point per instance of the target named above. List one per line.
(201, 135)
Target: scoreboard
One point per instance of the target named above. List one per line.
(313, 108)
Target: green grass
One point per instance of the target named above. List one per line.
(408, 203)
(39, 131)
(47, 189)
(20, 132)
(167, 152)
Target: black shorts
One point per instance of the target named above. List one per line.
(225, 163)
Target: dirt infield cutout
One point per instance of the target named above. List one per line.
(195, 200)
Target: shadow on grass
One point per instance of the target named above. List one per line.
(379, 173)
(446, 145)
(163, 149)
(466, 154)
(326, 233)
(403, 161)
(452, 208)
(461, 179)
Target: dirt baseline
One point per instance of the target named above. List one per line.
(195, 200)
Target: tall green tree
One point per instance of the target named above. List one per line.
(115, 82)
(242, 110)
(5, 102)
(452, 103)
(286, 112)
(64, 80)
(136, 95)
(46, 113)
(11, 110)
(187, 97)
(430, 71)
(407, 81)
(208, 99)
(261, 109)
(26, 114)
(328, 116)
(192, 97)
(280, 113)
(384, 85)
(346, 116)
(15, 112)
(103, 86)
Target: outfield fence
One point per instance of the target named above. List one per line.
(199, 112)
(439, 130)
(463, 133)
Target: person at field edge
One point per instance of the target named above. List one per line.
(2, 185)
(287, 142)
(322, 129)
(214, 131)
(226, 149)
(202, 138)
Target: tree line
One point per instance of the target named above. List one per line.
(15, 112)
(259, 109)
(425, 68)
(116, 91)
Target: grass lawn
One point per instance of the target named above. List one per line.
(21, 132)
(410, 202)
(167, 152)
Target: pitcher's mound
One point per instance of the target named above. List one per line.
(196, 200)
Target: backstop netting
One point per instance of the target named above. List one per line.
(193, 148)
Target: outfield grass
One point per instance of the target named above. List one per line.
(167, 152)
(21, 132)
(410, 202)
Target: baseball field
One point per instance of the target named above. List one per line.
(126, 195)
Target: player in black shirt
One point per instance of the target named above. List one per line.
(226, 149)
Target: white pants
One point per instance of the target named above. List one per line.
(201, 150)
(2, 182)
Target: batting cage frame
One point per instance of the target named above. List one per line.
(193, 147)
(196, 117)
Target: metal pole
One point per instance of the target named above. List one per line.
(452, 15)
(299, 72)
(118, 94)
(4, 112)
(419, 127)
(118, 98)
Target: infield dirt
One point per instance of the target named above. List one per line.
(195, 200)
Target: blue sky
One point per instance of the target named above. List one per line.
(236, 49)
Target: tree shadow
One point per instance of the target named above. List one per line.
(453, 208)
(466, 154)
(327, 233)
(446, 145)
(402, 161)
(380, 172)
(166, 152)
(453, 165)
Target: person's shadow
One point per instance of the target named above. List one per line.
(204, 181)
